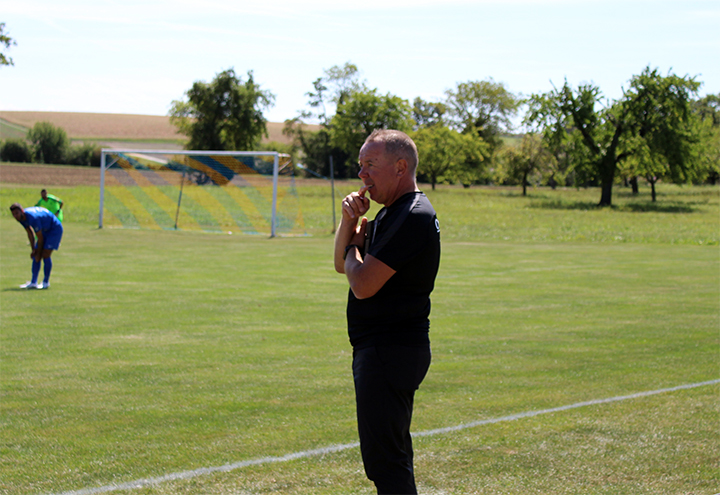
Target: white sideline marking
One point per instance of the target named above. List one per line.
(145, 482)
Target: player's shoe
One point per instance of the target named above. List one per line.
(43, 285)
(29, 285)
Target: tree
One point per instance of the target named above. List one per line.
(87, 154)
(531, 157)
(654, 115)
(483, 107)
(50, 143)
(15, 150)
(225, 114)
(6, 40)
(707, 110)
(444, 153)
(361, 113)
(330, 90)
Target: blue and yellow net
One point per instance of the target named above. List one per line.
(213, 192)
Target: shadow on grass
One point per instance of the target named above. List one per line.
(555, 204)
(634, 207)
(659, 207)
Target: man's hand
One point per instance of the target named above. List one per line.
(355, 204)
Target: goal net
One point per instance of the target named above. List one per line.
(214, 191)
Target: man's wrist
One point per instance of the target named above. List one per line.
(348, 248)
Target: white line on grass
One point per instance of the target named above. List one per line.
(145, 482)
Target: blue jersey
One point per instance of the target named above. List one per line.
(41, 220)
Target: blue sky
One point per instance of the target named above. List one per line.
(130, 56)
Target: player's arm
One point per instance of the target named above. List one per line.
(40, 245)
(354, 206)
(31, 239)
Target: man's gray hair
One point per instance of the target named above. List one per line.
(397, 144)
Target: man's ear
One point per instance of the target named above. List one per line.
(401, 167)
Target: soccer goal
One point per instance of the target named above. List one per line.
(216, 191)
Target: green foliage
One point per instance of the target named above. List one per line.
(87, 154)
(15, 150)
(361, 113)
(330, 90)
(7, 41)
(428, 114)
(358, 111)
(530, 161)
(225, 114)
(483, 107)
(707, 110)
(661, 125)
(50, 143)
(652, 121)
(447, 155)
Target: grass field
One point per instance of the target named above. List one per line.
(166, 352)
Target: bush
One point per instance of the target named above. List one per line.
(15, 150)
(50, 143)
(87, 154)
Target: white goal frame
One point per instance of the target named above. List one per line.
(276, 161)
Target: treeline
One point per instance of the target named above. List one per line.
(660, 130)
(479, 133)
(46, 143)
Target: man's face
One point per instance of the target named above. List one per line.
(43, 193)
(378, 171)
(18, 214)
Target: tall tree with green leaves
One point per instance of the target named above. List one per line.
(653, 116)
(445, 154)
(329, 91)
(361, 113)
(7, 42)
(482, 107)
(49, 143)
(224, 114)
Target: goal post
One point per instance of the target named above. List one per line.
(251, 192)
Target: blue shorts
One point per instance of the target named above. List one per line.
(53, 238)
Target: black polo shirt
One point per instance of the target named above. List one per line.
(406, 238)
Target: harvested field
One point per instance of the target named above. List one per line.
(49, 175)
(100, 125)
(118, 127)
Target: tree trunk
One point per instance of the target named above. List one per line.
(634, 184)
(524, 181)
(608, 165)
(652, 182)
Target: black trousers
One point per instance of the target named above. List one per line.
(386, 378)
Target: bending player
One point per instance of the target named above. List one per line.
(43, 223)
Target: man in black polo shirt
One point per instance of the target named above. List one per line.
(391, 264)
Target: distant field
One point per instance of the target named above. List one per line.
(107, 126)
